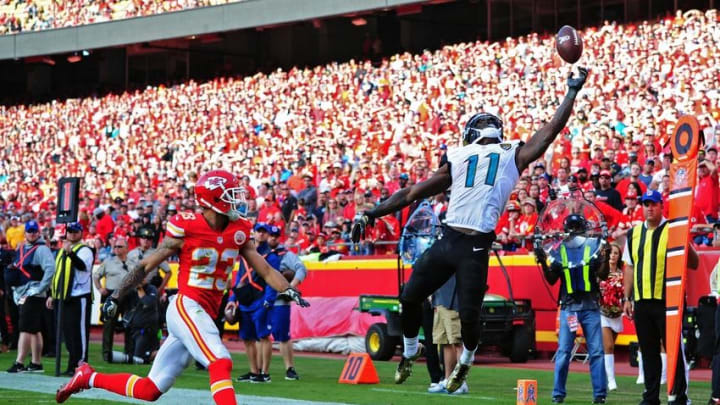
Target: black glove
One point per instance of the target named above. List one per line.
(292, 294)
(540, 255)
(576, 83)
(361, 220)
(109, 309)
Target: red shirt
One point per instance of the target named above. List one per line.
(104, 226)
(207, 257)
(706, 195)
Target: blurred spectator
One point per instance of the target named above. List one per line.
(606, 193)
(15, 233)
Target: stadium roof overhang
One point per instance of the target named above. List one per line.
(228, 17)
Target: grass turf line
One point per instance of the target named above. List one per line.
(319, 383)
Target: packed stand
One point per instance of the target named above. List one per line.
(314, 146)
(35, 15)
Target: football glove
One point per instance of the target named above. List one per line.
(576, 83)
(361, 220)
(292, 294)
(109, 309)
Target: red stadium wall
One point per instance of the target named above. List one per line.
(351, 278)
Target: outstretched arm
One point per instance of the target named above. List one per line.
(541, 140)
(436, 184)
(273, 277)
(168, 247)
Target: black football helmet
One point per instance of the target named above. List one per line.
(575, 224)
(482, 125)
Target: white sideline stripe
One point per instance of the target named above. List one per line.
(461, 396)
(675, 253)
(48, 385)
(678, 195)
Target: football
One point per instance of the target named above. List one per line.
(231, 315)
(569, 44)
(289, 275)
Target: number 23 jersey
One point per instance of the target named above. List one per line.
(207, 256)
(483, 176)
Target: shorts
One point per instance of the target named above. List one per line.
(280, 322)
(616, 324)
(30, 315)
(254, 325)
(446, 326)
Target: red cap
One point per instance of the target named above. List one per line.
(605, 173)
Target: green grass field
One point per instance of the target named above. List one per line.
(319, 383)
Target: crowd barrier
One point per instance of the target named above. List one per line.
(334, 287)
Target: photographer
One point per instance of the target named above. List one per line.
(141, 325)
(578, 271)
(30, 276)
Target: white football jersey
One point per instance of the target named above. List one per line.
(483, 176)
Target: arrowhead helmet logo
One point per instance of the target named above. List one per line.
(215, 182)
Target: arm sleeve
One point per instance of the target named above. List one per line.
(292, 262)
(86, 255)
(176, 227)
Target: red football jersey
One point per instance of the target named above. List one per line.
(207, 257)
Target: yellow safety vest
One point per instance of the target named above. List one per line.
(648, 248)
(64, 274)
(581, 285)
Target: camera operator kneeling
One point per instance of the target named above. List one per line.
(141, 324)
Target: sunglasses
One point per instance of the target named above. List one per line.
(119, 247)
(650, 203)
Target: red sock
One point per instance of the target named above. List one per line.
(128, 385)
(221, 386)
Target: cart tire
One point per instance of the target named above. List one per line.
(521, 344)
(379, 344)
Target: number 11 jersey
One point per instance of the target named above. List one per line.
(207, 257)
(483, 176)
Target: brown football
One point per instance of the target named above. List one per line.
(289, 275)
(569, 44)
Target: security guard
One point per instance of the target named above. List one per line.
(72, 285)
(578, 268)
(645, 258)
(113, 269)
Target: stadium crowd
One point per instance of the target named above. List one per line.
(313, 145)
(34, 15)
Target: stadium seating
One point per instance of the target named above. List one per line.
(32, 15)
(391, 119)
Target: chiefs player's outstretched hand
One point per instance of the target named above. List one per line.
(576, 82)
(292, 294)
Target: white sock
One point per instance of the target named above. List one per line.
(641, 373)
(468, 356)
(91, 383)
(663, 359)
(410, 346)
(610, 367)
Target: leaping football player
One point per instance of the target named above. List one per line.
(480, 175)
(208, 245)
